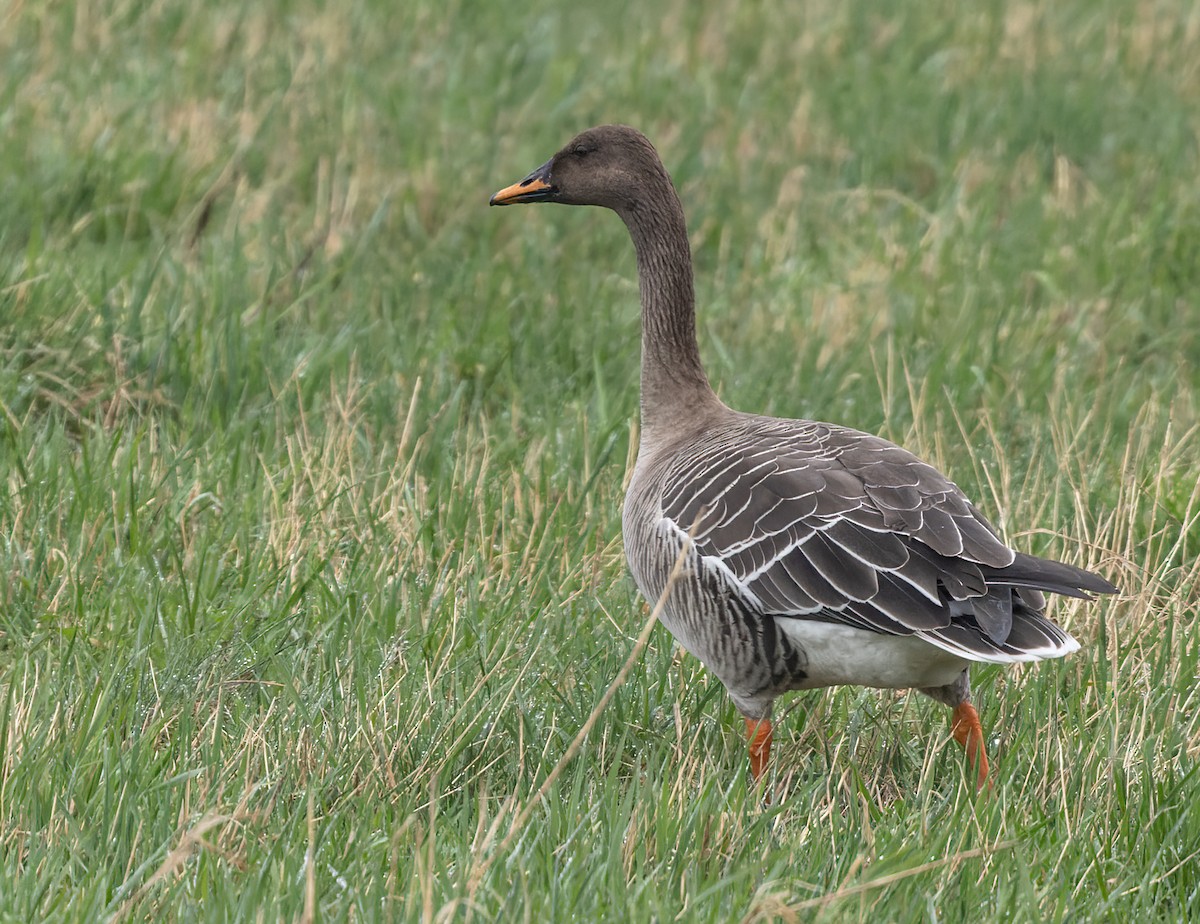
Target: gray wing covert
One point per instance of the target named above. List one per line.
(820, 521)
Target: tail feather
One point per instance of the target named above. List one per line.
(1053, 576)
(1008, 623)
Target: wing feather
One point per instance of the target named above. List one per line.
(828, 523)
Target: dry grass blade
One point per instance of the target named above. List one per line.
(310, 859)
(174, 862)
(882, 881)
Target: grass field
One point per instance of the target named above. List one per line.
(312, 464)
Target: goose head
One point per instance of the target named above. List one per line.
(613, 166)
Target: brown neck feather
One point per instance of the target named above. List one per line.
(674, 384)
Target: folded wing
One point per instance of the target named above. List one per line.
(822, 522)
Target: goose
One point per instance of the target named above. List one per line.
(816, 555)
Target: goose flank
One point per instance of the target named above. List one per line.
(820, 555)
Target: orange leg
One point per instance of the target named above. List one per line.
(968, 732)
(758, 736)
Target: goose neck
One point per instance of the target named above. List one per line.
(674, 384)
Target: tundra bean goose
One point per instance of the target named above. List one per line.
(819, 555)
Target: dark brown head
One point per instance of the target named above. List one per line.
(611, 165)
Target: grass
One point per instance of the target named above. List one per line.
(313, 465)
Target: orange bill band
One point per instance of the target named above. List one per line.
(518, 191)
(534, 188)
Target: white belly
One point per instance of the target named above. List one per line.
(843, 655)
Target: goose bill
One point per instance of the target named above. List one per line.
(534, 188)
